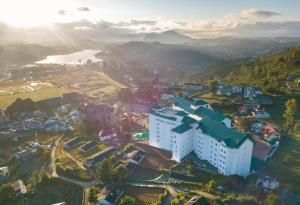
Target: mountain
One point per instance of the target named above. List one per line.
(168, 37)
(22, 54)
(166, 59)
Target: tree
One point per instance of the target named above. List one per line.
(213, 84)
(211, 186)
(127, 200)
(245, 124)
(93, 194)
(272, 199)
(7, 193)
(119, 174)
(105, 171)
(291, 108)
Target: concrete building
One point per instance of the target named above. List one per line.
(192, 126)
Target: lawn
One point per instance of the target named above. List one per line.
(6, 100)
(285, 164)
(69, 168)
(54, 191)
(143, 195)
(83, 156)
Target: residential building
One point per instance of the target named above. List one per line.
(98, 116)
(267, 183)
(109, 195)
(193, 126)
(4, 171)
(19, 187)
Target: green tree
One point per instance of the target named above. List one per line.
(127, 200)
(93, 194)
(119, 174)
(272, 199)
(291, 108)
(105, 171)
(245, 124)
(213, 84)
(211, 186)
(7, 193)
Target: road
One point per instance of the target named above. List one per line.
(53, 173)
(207, 195)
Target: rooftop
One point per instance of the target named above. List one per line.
(203, 112)
(181, 128)
(220, 132)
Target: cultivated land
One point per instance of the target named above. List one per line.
(93, 83)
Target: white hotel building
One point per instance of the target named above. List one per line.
(193, 126)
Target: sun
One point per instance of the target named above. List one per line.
(28, 13)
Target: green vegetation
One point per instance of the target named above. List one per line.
(53, 190)
(105, 171)
(144, 195)
(290, 115)
(6, 100)
(275, 74)
(245, 124)
(219, 71)
(272, 199)
(109, 174)
(69, 168)
(7, 193)
(211, 186)
(94, 191)
(127, 200)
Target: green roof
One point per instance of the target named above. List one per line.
(163, 116)
(220, 132)
(204, 112)
(144, 135)
(199, 102)
(181, 128)
(188, 120)
(181, 113)
(225, 89)
(184, 104)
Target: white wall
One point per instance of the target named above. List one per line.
(160, 131)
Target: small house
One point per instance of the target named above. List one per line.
(4, 171)
(267, 183)
(88, 146)
(19, 187)
(109, 195)
(72, 143)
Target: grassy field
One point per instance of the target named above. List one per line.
(53, 191)
(93, 83)
(41, 94)
(285, 164)
(69, 168)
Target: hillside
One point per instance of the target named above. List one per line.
(163, 58)
(168, 37)
(276, 74)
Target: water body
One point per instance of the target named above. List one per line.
(73, 58)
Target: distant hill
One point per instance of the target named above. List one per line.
(165, 59)
(21, 54)
(276, 74)
(168, 37)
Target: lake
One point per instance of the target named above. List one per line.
(80, 57)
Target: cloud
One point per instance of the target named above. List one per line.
(253, 13)
(62, 12)
(83, 9)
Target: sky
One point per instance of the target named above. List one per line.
(197, 18)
